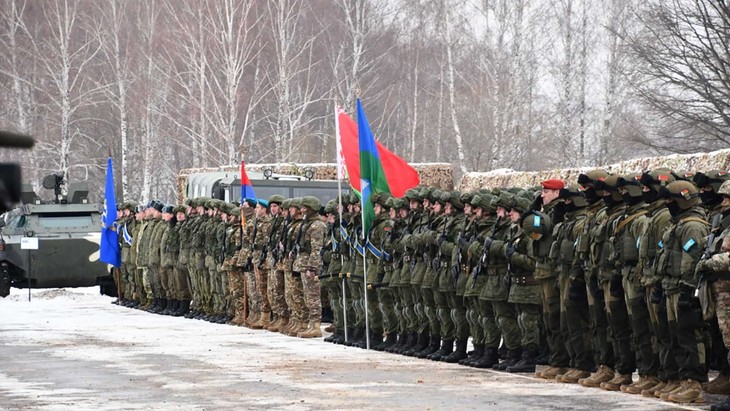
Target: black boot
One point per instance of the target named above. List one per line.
(410, 343)
(526, 364)
(171, 308)
(421, 343)
(513, 357)
(341, 338)
(402, 338)
(355, 337)
(490, 357)
(155, 303)
(161, 306)
(432, 347)
(447, 347)
(475, 355)
(390, 341)
(458, 354)
(543, 356)
(182, 309)
(502, 352)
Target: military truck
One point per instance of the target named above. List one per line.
(68, 233)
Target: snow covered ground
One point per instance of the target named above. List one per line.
(72, 349)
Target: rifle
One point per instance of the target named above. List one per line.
(281, 240)
(295, 250)
(708, 248)
(485, 251)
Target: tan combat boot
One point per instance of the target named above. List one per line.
(238, 320)
(560, 376)
(719, 385)
(551, 372)
(617, 381)
(313, 330)
(330, 328)
(649, 392)
(575, 376)
(690, 393)
(644, 382)
(297, 328)
(674, 385)
(285, 330)
(274, 326)
(283, 323)
(604, 374)
(252, 319)
(263, 321)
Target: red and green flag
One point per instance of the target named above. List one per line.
(372, 175)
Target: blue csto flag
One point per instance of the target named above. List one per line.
(109, 251)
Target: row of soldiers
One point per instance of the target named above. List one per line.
(613, 274)
(616, 273)
(256, 265)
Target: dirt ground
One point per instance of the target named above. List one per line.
(72, 349)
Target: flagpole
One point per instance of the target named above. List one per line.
(339, 211)
(365, 270)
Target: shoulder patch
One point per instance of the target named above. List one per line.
(688, 245)
(536, 221)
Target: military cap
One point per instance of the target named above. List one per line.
(157, 205)
(262, 202)
(167, 209)
(553, 184)
(276, 199)
(311, 202)
(251, 201)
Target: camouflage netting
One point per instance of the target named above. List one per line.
(716, 160)
(433, 174)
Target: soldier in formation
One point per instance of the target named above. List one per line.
(606, 276)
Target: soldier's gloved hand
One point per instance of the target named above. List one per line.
(509, 250)
(657, 293)
(311, 272)
(687, 299)
(617, 287)
(701, 267)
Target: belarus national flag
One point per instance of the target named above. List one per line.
(246, 187)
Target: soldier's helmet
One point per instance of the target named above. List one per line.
(413, 195)
(295, 202)
(131, 205)
(501, 200)
(591, 177)
(311, 202)
(724, 189)
(276, 199)
(574, 194)
(425, 193)
(535, 225)
(657, 178)
(435, 196)
(455, 200)
(235, 212)
(483, 201)
(400, 203)
(610, 184)
(286, 204)
(684, 193)
(519, 203)
(632, 183)
(466, 197)
(382, 199)
(712, 179)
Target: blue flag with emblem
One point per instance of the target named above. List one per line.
(109, 251)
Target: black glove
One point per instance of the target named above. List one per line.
(617, 286)
(687, 299)
(577, 290)
(488, 243)
(463, 242)
(509, 250)
(657, 293)
(594, 288)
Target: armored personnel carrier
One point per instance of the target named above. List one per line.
(66, 232)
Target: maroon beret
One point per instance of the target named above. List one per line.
(553, 184)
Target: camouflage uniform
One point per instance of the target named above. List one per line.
(376, 237)
(299, 317)
(261, 271)
(275, 280)
(139, 294)
(128, 269)
(308, 263)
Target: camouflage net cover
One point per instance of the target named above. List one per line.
(432, 174)
(715, 160)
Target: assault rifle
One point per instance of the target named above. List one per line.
(483, 259)
(708, 248)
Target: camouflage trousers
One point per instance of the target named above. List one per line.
(147, 283)
(252, 295)
(446, 327)
(457, 311)
(355, 291)
(180, 286)
(644, 341)
(407, 318)
(600, 341)
(550, 297)
(528, 319)
(293, 293)
(473, 317)
(312, 293)
(128, 280)
(275, 292)
(487, 316)
(386, 298)
(206, 296)
(165, 274)
(262, 289)
(686, 329)
(141, 293)
(193, 285)
(575, 325)
(226, 296)
(334, 290)
(155, 281)
(236, 280)
(721, 293)
(669, 368)
(619, 325)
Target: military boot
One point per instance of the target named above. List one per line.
(263, 322)
(330, 328)
(649, 392)
(274, 326)
(488, 359)
(313, 330)
(644, 382)
(458, 354)
(163, 304)
(475, 355)
(691, 392)
(410, 343)
(171, 308)
(390, 341)
(334, 337)
(617, 381)
(603, 374)
(672, 386)
(376, 337)
(447, 347)
(402, 338)
(526, 362)
(183, 309)
(431, 348)
(296, 328)
(719, 385)
(574, 376)
(341, 336)
(152, 305)
(421, 343)
(355, 336)
(551, 372)
(513, 357)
